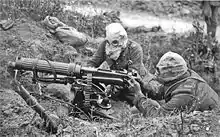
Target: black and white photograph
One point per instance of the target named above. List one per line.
(109, 68)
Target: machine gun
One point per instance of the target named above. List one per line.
(89, 93)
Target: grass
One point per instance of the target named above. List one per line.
(35, 9)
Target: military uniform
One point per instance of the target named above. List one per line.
(210, 11)
(131, 58)
(190, 92)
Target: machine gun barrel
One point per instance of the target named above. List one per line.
(71, 69)
(45, 66)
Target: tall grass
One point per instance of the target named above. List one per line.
(35, 9)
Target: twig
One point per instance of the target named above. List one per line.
(182, 120)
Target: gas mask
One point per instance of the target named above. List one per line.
(116, 38)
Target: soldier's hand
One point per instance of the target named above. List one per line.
(134, 86)
(140, 81)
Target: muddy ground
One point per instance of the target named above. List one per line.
(29, 38)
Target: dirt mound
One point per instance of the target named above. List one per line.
(14, 113)
(17, 119)
(28, 38)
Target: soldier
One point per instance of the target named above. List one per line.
(210, 12)
(119, 52)
(183, 89)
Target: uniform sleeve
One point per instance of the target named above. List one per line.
(146, 106)
(154, 90)
(178, 101)
(98, 57)
(136, 56)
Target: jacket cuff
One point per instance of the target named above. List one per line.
(138, 97)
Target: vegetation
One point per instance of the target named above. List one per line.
(35, 9)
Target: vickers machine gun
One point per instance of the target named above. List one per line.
(89, 93)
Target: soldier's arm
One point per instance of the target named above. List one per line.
(154, 89)
(151, 87)
(98, 57)
(180, 100)
(136, 57)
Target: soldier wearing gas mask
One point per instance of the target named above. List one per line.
(119, 53)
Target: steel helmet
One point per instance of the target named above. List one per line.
(171, 66)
